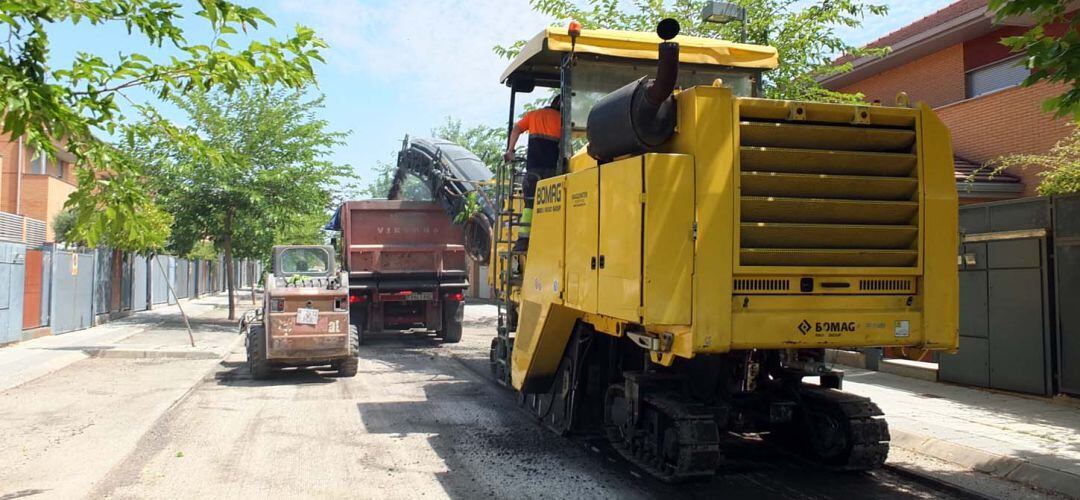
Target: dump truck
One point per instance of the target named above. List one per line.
(304, 318)
(406, 267)
(689, 267)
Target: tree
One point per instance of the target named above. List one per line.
(487, 143)
(1060, 167)
(806, 38)
(72, 104)
(250, 171)
(1053, 55)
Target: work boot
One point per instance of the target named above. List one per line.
(522, 244)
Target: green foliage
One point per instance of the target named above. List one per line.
(203, 250)
(1059, 167)
(111, 205)
(62, 224)
(487, 143)
(805, 36)
(471, 208)
(250, 171)
(1051, 58)
(413, 188)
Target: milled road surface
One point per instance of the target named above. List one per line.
(419, 420)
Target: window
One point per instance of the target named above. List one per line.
(996, 76)
(595, 79)
(304, 261)
(39, 163)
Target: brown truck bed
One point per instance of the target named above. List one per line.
(404, 239)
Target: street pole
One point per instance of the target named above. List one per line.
(191, 336)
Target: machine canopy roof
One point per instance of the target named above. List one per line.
(540, 57)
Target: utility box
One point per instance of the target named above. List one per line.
(1006, 296)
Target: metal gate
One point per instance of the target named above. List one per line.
(103, 274)
(32, 289)
(73, 291)
(139, 279)
(1005, 297)
(12, 269)
(126, 275)
(1067, 286)
(159, 275)
(183, 278)
(170, 285)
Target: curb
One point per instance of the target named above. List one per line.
(1006, 467)
(151, 354)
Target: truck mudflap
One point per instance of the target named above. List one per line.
(327, 339)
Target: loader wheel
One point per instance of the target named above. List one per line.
(348, 367)
(256, 352)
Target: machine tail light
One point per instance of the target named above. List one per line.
(455, 296)
(277, 305)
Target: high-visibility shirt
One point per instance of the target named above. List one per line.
(542, 123)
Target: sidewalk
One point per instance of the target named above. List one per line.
(1032, 441)
(156, 333)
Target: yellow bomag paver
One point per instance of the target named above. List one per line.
(689, 267)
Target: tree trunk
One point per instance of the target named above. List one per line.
(230, 279)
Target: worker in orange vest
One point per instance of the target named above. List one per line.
(544, 126)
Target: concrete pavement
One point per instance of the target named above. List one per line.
(155, 333)
(421, 419)
(71, 414)
(1033, 441)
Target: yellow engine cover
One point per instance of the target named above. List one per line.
(762, 224)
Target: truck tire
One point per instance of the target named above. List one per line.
(256, 352)
(348, 367)
(451, 330)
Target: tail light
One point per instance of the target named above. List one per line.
(455, 296)
(277, 305)
(357, 299)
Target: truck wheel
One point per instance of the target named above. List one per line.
(256, 352)
(348, 367)
(451, 332)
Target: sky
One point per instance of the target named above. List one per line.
(398, 67)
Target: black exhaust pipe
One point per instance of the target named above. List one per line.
(641, 115)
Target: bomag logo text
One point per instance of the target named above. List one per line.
(834, 326)
(549, 198)
(551, 193)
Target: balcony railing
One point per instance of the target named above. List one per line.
(21, 229)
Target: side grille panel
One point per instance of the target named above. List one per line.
(832, 285)
(828, 193)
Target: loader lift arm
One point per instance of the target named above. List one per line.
(457, 179)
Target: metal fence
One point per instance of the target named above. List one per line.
(12, 260)
(1019, 297)
(44, 286)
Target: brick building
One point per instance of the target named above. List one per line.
(953, 61)
(33, 190)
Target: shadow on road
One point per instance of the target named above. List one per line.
(237, 375)
(492, 448)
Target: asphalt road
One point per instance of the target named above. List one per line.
(420, 420)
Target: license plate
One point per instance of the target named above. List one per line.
(419, 296)
(307, 316)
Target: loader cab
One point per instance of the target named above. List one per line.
(586, 65)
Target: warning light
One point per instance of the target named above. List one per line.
(574, 28)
